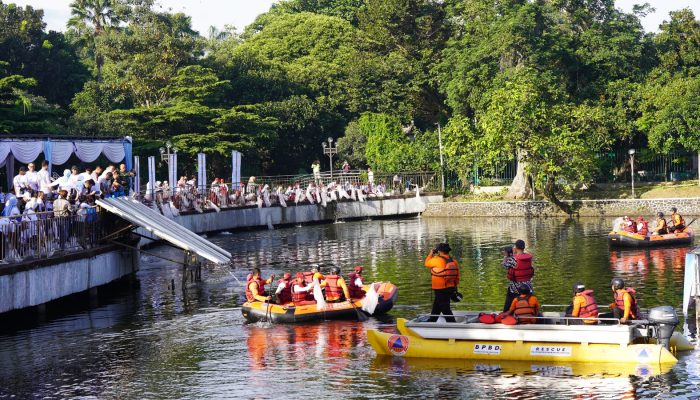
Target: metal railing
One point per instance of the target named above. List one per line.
(42, 235)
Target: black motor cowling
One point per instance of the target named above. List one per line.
(664, 320)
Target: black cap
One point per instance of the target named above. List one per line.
(520, 244)
(443, 247)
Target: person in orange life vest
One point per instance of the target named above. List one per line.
(661, 226)
(444, 272)
(525, 307)
(300, 290)
(284, 289)
(642, 226)
(677, 221)
(628, 225)
(355, 283)
(583, 305)
(255, 287)
(625, 305)
(336, 289)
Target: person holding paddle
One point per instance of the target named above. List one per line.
(677, 221)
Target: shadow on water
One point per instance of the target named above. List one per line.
(190, 341)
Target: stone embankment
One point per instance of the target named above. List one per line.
(582, 208)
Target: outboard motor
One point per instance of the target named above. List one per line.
(664, 320)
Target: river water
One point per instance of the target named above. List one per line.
(192, 342)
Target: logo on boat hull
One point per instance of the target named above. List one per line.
(398, 344)
(494, 349)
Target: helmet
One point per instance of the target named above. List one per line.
(660, 214)
(617, 283)
(579, 287)
(358, 269)
(524, 288)
(335, 271)
(674, 209)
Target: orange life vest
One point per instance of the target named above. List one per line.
(261, 287)
(677, 219)
(590, 310)
(356, 292)
(285, 295)
(620, 302)
(447, 276)
(523, 310)
(333, 291)
(644, 227)
(523, 270)
(630, 227)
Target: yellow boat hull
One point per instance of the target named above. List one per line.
(408, 344)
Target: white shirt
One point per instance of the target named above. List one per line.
(19, 182)
(299, 289)
(32, 180)
(44, 180)
(86, 176)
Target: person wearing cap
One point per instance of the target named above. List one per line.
(355, 283)
(284, 289)
(444, 272)
(661, 226)
(642, 226)
(522, 273)
(628, 225)
(583, 305)
(301, 290)
(677, 222)
(255, 286)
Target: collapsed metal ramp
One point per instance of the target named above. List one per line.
(165, 228)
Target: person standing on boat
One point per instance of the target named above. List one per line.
(255, 286)
(625, 305)
(583, 305)
(661, 227)
(509, 263)
(444, 272)
(677, 221)
(522, 273)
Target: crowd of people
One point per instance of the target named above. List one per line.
(299, 290)
(521, 304)
(676, 224)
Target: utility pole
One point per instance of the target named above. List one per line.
(442, 162)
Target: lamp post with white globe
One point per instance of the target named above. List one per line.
(330, 150)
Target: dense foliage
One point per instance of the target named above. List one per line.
(548, 83)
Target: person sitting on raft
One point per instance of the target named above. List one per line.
(583, 305)
(355, 283)
(525, 307)
(300, 290)
(284, 289)
(336, 289)
(677, 221)
(628, 225)
(661, 227)
(642, 226)
(255, 287)
(625, 305)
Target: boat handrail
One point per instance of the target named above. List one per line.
(463, 318)
(497, 305)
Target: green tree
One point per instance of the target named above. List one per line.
(89, 20)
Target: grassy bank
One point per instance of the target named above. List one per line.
(643, 190)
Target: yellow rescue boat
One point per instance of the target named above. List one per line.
(554, 340)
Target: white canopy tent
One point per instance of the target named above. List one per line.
(57, 150)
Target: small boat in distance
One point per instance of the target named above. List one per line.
(556, 339)
(291, 313)
(627, 239)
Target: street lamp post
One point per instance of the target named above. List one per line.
(165, 152)
(631, 153)
(442, 163)
(330, 151)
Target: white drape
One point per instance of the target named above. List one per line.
(88, 152)
(61, 152)
(113, 151)
(26, 152)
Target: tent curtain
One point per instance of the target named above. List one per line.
(113, 151)
(60, 152)
(26, 152)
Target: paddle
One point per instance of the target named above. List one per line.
(362, 317)
(691, 222)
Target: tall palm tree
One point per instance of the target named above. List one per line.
(91, 19)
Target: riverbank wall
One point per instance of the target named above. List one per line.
(263, 218)
(582, 208)
(36, 282)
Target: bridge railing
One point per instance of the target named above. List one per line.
(42, 235)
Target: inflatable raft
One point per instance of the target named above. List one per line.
(626, 239)
(291, 313)
(554, 341)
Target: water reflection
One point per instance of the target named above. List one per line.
(190, 341)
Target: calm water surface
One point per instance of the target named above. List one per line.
(192, 342)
